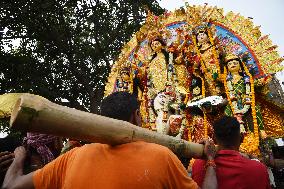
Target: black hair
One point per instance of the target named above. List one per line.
(196, 82)
(119, 105)
(227, 131)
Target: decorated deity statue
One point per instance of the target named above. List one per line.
(157, 68)
(161, 103)
(240, 93)
(164, 74)
(208, 60)
(124, 81)
(239, 86)
(177, 122)
(179, 61)
(156, 77)
(196, 89)
(175, 125)
(199, 127)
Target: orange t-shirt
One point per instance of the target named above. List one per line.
(133, 165)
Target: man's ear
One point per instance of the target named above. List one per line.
(137, 118)
(242, 138)
(214, 139)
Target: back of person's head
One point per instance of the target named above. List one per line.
(227, 132)
(47, 147)
(119, 105)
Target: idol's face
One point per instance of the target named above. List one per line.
(196, 90)
(125, 76)
(202, 37)
(156, 46)
(234, 66)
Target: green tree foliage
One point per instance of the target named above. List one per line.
(66, 46)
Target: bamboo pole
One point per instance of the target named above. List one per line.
(36, 114)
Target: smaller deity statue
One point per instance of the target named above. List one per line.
(174, 124)
(199, 127)
(239, 83)
(161, 106)
(239, 86)
(124, 81)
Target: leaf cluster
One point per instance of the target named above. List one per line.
(66, 47)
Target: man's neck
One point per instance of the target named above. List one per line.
(236, 148)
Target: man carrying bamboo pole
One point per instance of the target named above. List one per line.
(234, 170)
(132, 165)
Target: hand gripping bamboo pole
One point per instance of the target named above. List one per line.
(36, 114)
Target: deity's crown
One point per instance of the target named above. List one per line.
(231, 56)
(200, 29)
(155, 34)
(124, 69)
(140, 35)
(198, 19)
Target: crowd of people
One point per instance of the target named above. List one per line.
(38, 163)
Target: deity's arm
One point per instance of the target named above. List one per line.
(183, 126)
(261, 82)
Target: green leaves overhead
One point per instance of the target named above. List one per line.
(66, 47)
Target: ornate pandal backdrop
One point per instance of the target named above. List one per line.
(244, 39)
(231, 32)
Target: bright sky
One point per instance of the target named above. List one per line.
(268, 14)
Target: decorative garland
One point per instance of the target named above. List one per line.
(146, 100)
(131, 79)
(255, 125)
(186, 98)
(204, 114)
(227, 90)
(189, 132)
